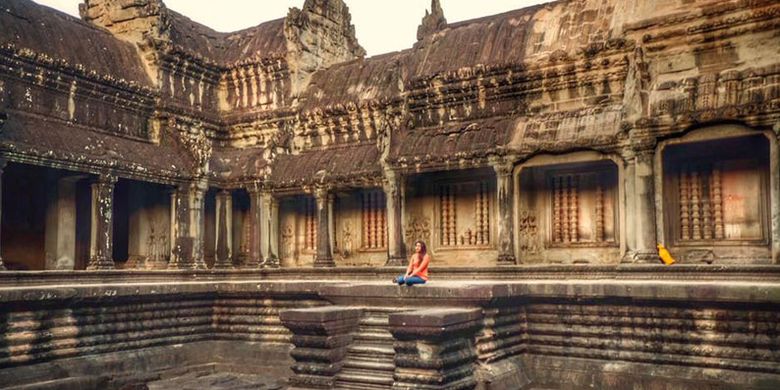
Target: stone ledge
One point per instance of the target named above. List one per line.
(451, 293)
(435, 317)
(320, 314)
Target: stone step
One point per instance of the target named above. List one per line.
(365, 378)
(366, 349)
(368, 364)
(375, 337)
(375, 321)
(360, 386)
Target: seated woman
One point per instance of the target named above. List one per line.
(417, 271)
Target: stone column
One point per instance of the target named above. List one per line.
(189, 227)
(321, 337)
(3, 163)
(271, 236)
(324, 250)
(255, 220)
(102, 227)
(173, 231)
(224, 250)
(640, 187)
(198, 199)
(61, 224)
(394, 188)
(505, 190)
(434, 348)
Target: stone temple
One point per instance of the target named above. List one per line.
(184, 208)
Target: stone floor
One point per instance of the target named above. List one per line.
(216, 381)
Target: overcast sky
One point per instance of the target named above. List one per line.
(382, 26)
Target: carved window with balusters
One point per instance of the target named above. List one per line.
(374, 220)
(583, 203)
(464, 214)
(717, 191)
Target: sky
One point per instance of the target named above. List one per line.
(381, 26)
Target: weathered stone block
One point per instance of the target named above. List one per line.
(435, 348)
(321, 336)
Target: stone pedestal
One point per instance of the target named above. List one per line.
(324, 256)
(321, 337)
(102, 231)
(224, 250)
(505, 190)
(394, 189)
(434, 348)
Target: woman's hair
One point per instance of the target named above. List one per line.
(423, 248)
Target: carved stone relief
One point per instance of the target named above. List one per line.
(418, 228)
(528, 231)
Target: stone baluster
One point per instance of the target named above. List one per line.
(224, 240)
(102, 231)
(324, 257)
(3, 163)
(434, 348)
(321, 337)
(505, 189)
(394, 188)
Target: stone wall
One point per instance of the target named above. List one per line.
(601, 332)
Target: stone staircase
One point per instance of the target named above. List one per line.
(369, 362)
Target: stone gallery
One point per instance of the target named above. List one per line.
(597, 183)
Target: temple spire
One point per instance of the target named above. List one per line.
(432, 22)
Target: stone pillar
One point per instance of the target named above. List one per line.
(270, 237)
(102, 227)
(198, 199)
(189, 227)
(434, 348)
(394, 188)
(61, 224)
(255, 220)
(3, 163)
(173, 227)
(321, 337)
(324, 250)
(640, 187)
(505, 192)
(224, 250)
